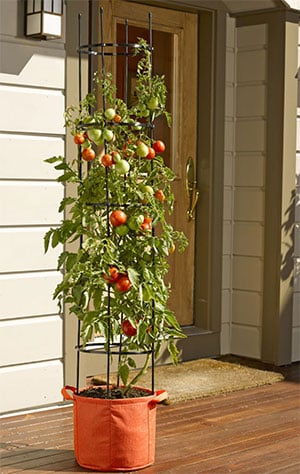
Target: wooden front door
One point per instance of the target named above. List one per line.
(175, 56)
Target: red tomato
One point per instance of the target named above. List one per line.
(159, 195)
(159, 146)
(117, 218)
(128, 329)
(151, 154)
(107, 160)
(88, 154)
(78, 138)
(123, 283)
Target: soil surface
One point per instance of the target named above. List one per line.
(113, 393)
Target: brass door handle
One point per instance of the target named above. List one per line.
(191, 189)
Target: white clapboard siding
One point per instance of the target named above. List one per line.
(30, 340)
(32, 97)
(24, 65)
(28, 294)
(29, 153)
(30, 203)
(30, 385)
(33, 110)
(22, 250)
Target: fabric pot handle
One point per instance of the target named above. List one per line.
(161, 395)
(66, 394)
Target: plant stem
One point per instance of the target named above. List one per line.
(140, 373)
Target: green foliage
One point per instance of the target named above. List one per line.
(140, 253)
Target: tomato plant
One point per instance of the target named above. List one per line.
(118, 211)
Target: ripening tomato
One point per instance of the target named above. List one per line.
(79, 138)
(145, 226)
(123, 284)
(117, 218)
(107, 160)
(159, 146)
(88, 154)
(151, 153)
(159, 195)
(148, 220)
(128, 329)
(113, 275)
(117, 118)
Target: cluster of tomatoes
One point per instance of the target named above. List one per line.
(123, 225)
(120, 281)
(99, 137)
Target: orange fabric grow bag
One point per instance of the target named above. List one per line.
(117, 434)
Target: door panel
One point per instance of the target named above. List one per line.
(175, 56)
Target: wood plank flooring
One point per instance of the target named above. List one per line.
(254, 431)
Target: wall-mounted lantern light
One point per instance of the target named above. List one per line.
(43, 19)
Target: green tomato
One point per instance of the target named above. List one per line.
(152, 103)
(116, 156)
(135, 222)
(142, 150)
(147, 190)
(110, 113)
(95, 135)
(108, 135)
(122, 167)
(122, 229)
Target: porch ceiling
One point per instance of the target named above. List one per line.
(238, 6)
(233, 7)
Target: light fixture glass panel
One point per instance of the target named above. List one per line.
(57, 7)
(33, 24)
(29, 6)
(47, 5)
(52, 25)
(37, 5)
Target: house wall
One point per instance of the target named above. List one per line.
(245, 215)
(31, 129)
(244, 190)
(249, 182)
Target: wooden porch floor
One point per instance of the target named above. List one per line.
(255, 431)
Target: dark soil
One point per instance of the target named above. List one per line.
(113, 393)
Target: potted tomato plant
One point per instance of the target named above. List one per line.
(115, 283)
